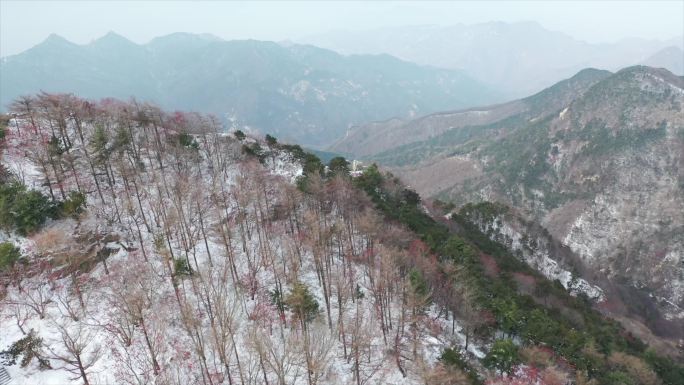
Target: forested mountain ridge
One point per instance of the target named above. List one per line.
(298, 92)
(602, 172)
(222, 259)
(374, 138)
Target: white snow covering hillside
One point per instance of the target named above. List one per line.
(178, 271)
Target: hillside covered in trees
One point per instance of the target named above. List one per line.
(596, 161)
(146, 247)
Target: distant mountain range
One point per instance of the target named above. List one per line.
(671, 58)
(296, 92)
(596, 160)
(519, 58)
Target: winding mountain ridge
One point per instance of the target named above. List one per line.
(600, 167)
(297, 92)
(378, 137)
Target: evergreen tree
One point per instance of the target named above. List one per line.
(29, 347)
(338, 166)
(9, 254)
(181, 267)
(503, 356)
(187, 140)
(271, 140)
(99, 144)
(73, 206)
(302, 303)
(22, 210)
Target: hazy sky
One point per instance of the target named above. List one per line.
(26, 23)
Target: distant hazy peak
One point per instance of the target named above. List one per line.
(517, 58)
(591, 73)
(54, 39)
(671, 57)
(185, 37)
(303, 93)
(112, 39)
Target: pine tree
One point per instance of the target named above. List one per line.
(302, 303)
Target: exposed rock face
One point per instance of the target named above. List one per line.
(603, 173)
(630, 175)
(534, 246)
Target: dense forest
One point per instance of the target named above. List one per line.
(142, 247)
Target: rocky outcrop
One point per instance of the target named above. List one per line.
(532, 245)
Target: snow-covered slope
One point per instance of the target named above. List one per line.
(195, 263)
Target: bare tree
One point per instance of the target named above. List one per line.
(320, 345)
(77, 350)
(36, 294)
(281, 356)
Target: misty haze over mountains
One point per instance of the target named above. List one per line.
(297, 92)
(313, 95)
(518, 58)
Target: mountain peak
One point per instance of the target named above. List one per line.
(591, 73)
(639, 70)
(184, 37)
(52, 43)
(112, 37)
(54, 38)
(671, 57)
(645, 69)
(567, 90)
